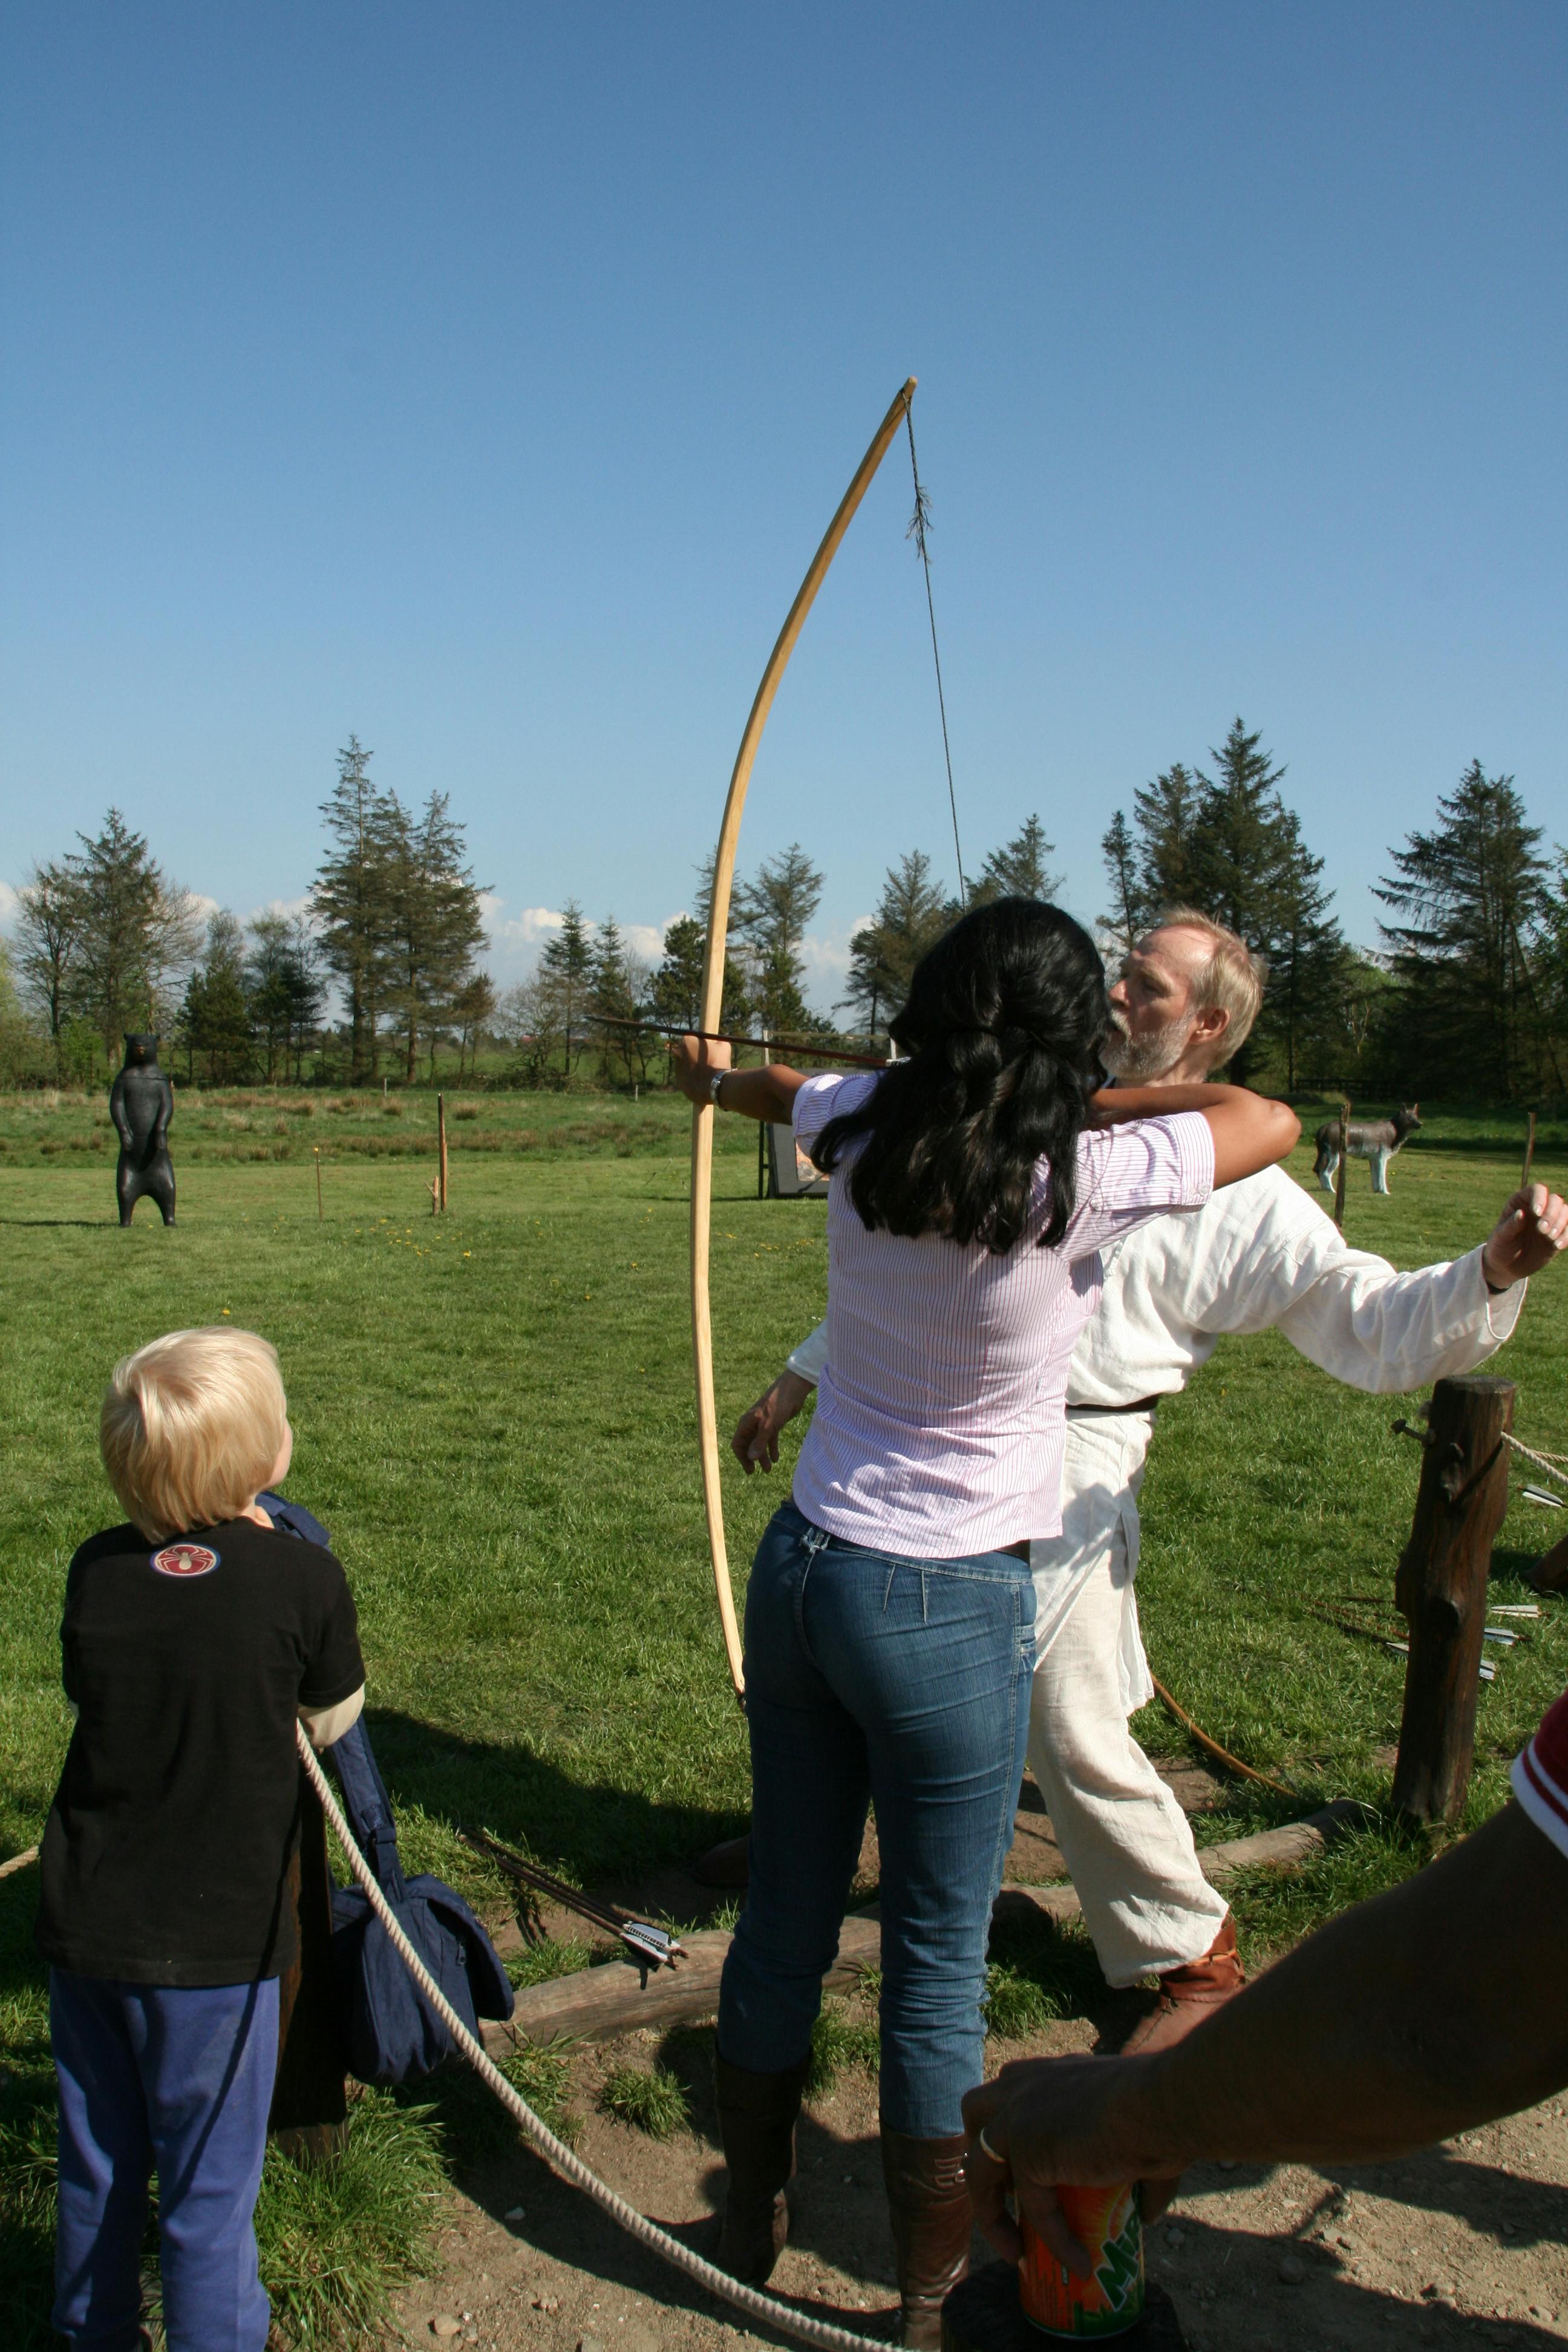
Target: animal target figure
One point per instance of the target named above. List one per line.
(141, 1104)
(1376, 1139)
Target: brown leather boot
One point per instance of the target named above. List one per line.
(1188, 1995)
(929, 2204)
(756, 2125)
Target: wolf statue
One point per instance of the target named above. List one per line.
(141, 1104)
(1374, 1139)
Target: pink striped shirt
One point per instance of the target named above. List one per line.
(941, 1419)
(1541, 1775)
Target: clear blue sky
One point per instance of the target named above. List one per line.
(479, 377)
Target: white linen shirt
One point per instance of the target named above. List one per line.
(1259, 1254)
(940, 1415)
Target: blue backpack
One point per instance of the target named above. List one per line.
(391, 2033)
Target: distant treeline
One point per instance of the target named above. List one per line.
(378, 975)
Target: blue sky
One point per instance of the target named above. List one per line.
(479, 378)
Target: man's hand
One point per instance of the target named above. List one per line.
(755, 1443)
(1058, 2119)
(693, 1061)
(1531, 1230)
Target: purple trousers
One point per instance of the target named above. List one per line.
(178, 2080)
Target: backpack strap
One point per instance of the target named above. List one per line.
(368, 1807)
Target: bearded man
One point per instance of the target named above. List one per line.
(1260, 1256)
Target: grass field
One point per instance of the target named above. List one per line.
(493, 1416)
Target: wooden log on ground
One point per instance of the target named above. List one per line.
(1279, 1849)
(310, 2099)
(597, 2004)
(618, 1996)
(1441, 1590)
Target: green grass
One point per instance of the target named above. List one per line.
(253, 1126)
(838, 2042)
(651, 2099)
(493, 1414)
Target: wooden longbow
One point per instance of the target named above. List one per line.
(713, 998)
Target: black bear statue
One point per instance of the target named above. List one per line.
(141, 1104)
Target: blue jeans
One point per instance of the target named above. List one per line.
(181, 2079)
(903, 1683)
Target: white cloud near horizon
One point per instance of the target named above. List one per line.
(515, 942)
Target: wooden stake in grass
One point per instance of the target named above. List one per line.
(441, 1148)
(1342, 1169)
(1441, 1590)
(321, 1213)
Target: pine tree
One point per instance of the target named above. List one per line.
(1473, 897)
(911, 916)
(48, 913)
(566, 968)
(675, 992)
(25, 1054)
(352, 901)
(1165, 813)
(1227, 844)
(770, 919)
(1019, 871)
(1128, 913)
(736, 1010)
(284, 990)
(214, 1021)
(612, 1002)
(1305, 992)
(434, 927)
(472, 1009)
(133, 932)
(1241, 845)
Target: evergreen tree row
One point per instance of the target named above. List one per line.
(1466, 998)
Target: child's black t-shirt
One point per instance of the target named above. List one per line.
(169, 1840)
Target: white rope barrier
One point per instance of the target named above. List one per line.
(1547, 1461)
(565, 2161)
(18, 1861)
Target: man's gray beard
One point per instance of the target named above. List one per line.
(1146, 1058)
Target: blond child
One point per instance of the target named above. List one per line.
(193, 1636)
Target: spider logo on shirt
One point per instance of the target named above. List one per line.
(185, 1560)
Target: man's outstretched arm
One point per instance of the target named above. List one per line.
(1432, 2008)
(755, 1443)
(1376, 1329)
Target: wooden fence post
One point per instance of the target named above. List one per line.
(441, 1146)
(1441, 1590)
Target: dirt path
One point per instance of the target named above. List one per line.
(1464, 2245)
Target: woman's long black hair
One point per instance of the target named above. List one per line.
(1003, 1028)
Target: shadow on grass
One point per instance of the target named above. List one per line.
(592, 1829)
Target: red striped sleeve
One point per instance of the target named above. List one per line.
(1540, 1776)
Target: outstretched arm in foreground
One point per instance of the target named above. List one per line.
(1432, 2008)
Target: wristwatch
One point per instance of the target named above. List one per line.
(714, 1083)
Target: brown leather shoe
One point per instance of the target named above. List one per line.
(756, 2125)
(929, 2206)
(1188, 1995)
(726, 1865)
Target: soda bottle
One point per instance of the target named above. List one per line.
(1111, 2297)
